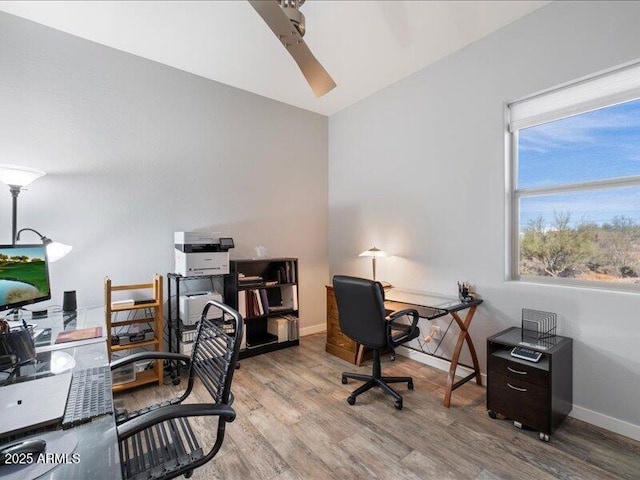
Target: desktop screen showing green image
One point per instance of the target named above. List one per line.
(24, 275)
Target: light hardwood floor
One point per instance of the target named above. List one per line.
(293, 422)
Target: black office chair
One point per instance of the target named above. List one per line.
(362, 318)
(158, 442)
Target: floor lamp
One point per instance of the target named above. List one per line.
(17, 178)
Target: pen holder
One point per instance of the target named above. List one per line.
(463, 292)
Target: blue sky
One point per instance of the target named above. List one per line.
(31, 252)
(596, 145)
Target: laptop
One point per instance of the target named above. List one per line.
(33, 404)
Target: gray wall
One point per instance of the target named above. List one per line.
(135, 150)
(419, 170)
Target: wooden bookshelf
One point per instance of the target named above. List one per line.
(152, 311)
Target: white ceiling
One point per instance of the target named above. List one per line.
(364, 45)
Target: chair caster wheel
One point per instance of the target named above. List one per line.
(492, 414)
(351, 400)
(398, 404)
(544, 437)
(344, 380)
(410, 385)
(176, 381)
(189, 474)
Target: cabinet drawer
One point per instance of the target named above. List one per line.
(502, 363)
(522, 401)
(343, 342)
(336, 337)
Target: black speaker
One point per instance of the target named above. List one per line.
(69, 303)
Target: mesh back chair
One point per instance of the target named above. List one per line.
(159, 442)
(362, 318)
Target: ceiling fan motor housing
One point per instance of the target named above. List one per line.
(292, 10)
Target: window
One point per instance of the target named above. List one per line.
(576, 182)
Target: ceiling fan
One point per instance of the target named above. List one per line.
(286, 21)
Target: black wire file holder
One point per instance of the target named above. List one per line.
(539, 328)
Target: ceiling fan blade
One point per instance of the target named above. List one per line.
(317, 77)
(319, 80)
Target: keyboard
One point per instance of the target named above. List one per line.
(526, 354)
(89, 396)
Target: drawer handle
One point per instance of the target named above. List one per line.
(516, 371)
(516, 388)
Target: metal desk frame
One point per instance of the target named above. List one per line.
(431, 313)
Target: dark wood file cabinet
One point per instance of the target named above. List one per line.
(539, 394)
(338, 343)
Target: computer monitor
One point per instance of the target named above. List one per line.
(24, 275)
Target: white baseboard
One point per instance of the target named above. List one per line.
(608, 423)
(598, 419)
(321, 327)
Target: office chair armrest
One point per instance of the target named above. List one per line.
(402, 313)
(160, 415)
(410, 329)
(150, 356)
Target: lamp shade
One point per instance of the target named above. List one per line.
(374, 252)
(18, 176)
(57, 250)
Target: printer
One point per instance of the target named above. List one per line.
(201, 253)
(191, 306)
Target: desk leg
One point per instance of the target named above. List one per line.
(464, 335)
(359, 355)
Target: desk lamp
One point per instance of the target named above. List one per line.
(55, 250)
(17, 178)
(374, 253)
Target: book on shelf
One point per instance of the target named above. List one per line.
(293, 327)
(278, 308)
(253, 304)
(147, 301)
(129, 302)
(258, 301)
(288, 268)
(264, 301)
(250, 280)
(285, 327)
(290, 297)
(242, 277)
(242, 303)
(279, 326)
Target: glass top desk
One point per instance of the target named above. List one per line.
(96, 441)
(430, 307)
